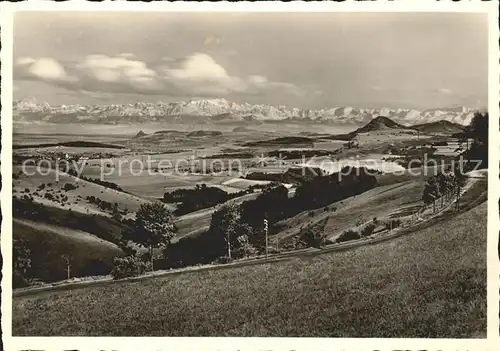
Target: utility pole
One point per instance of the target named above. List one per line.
(228, 245)
(266, 229)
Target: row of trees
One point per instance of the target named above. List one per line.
(440, 185)
(473, 153)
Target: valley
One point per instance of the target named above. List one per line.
(76, 198)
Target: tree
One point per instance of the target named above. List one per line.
(477, 130)
(153, 227)
(225, 223)
(21, 262)
(228, 227)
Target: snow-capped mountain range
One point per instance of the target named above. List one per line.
(221, 111)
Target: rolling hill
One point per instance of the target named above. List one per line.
(89, 254)
(440, 127)
(379, 123)
(50, 190)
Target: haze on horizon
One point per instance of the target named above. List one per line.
(303, 60)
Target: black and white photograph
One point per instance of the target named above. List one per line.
(249, 174)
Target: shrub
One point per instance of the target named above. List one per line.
(245, 250)
(127, 266)
(68, 187)
(368, 230)
(348, 235)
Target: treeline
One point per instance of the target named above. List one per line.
(238, 230)
(202, 196)
(440, 185)
(296, 175)
(98, 181)
(299, 154)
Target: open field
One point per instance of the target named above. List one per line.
(372, 291)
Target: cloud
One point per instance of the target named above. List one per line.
(196, 75)
(43, 69)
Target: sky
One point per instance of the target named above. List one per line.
(303, 60)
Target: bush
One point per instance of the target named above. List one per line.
(348, 235)
(368, 230)
(245, 250)
(128, 266)
(68, 187)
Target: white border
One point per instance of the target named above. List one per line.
(60, 343)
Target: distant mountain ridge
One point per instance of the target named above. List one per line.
(221, 111)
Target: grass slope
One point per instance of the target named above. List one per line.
(431, 283)
(49, 242)
(77, 197)
(377, 202)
